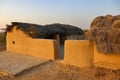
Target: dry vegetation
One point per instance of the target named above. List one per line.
(5, 76)
(106, 21)
(2, 37)
(105, 32)
(106, 39)
(2, 42)
(116, 24)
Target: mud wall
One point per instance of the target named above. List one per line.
(18, 41)
(111, 61)
(78, 53)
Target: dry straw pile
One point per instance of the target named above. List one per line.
(105, 33)
(107, 21)
(116, 24)
(5, 76)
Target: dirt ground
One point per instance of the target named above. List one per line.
(2, 46)
(58, 71)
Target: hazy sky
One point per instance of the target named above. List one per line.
(75, 12)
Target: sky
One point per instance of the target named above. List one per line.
(79, 13)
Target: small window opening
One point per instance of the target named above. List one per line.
(13, 42)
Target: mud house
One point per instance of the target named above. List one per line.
(22, 37)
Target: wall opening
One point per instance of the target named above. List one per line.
(13, 42)
(60, 43)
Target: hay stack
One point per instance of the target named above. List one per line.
(107, 21)
(105, 33)
(114, 38)
(107, 40)
(104, 21)
(117, 17)
(116, 24)
(96, 21)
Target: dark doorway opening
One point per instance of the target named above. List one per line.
(60, 39)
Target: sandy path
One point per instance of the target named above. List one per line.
(15, 63)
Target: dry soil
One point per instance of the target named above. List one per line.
(57, 71)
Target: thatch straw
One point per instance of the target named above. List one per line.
(96, 21)
(116, 24)
(107, 39)
(5, 76)
(104, 21)
(43, 31)
(105, 33)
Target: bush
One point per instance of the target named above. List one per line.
(2, 38)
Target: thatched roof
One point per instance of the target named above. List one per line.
(42, 31)
(107, 40)
(104, 21)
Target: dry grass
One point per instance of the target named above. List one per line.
(5, 76)
(116, 24)
(105, 34)
(107, 40)
(2, 37)
(105, 21)
(2, 42)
